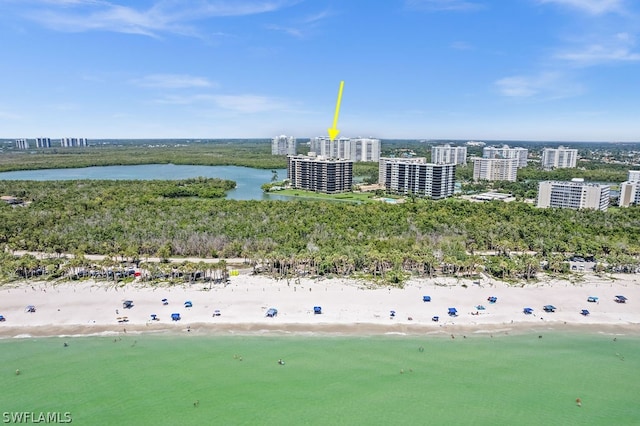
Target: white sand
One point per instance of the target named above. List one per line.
(348, 307)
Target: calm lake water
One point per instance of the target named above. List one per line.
(248, 180)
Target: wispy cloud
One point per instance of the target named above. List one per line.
(301, 28)
(292, 31)
(443, 5)
(460, 45)
(248, 103)
(4, 115)
(619, 48)
(546, 85)
(161, 17)
(173, 81)
(593, 7)
(241, 103)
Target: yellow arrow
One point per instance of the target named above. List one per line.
(333, 132)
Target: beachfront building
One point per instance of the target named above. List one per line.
(22, 144)
(634, 176)
(383, 161)
(493, 169)
(575, 194)
(435, 181)
(521, 154)
(629, 194)
(355, 149)
(43, 142)
(283, 145)
(447, 154)
(73, 142)
(320, 174)
(559, 158)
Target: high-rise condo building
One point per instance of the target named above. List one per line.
(493, 169)
(430, 180)
(43, 142)
(382, 165)
(447, 154)
(575, 194)
(320, 174)
(22, 144)
(283, 145)
(559, 158)
(634, 176)
(73, 142)
(505, 152)
(629, 194)
(356, 149)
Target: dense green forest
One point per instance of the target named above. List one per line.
(138, 219)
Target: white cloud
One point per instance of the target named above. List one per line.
(546, 85)
(438, 5)
(248, 103)
(593, 7)
(173, 81)
(616, 49)
(4, 115)
(287, 30)
(161, 17)
(460, 45)
(243, 103)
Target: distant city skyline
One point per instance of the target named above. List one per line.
(492, 70)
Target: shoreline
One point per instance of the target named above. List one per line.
(349, 308)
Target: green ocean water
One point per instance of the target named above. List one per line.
(380, 380)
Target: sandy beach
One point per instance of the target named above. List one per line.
(349, 307)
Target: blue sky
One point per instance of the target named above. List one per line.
(558, 70)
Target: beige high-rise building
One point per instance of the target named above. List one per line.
(493, 169)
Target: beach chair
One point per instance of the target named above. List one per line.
(217, 313)
(2, 318)
(620, 299)
(165, 302)
(549, 308)
(492, 299)
(527, 311)
(30, 308)
(317, 310)
(154, 317)
(426, 298)
(453, 312)
(272, 312)
(175, 317)
(392, 314)
(480, 307)
(188, 304)
(592, 299)
(127, 304)
(584, 312)
(435, 318)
